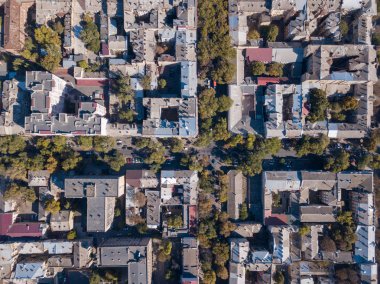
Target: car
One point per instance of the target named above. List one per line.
(119, 142)
(129, 161)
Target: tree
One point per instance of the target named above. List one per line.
(343, 231)
(343, 26)
(337, 162)
(46, 36)
(146, 82)
(225, 226)
(115, 160)
(253, 34)
(304, 230)
(224, 103)
(278, 277)
(162, 83)
(52, 59)
(272, 33)
(251, 164)
(233, 141)
(103, 144)
(275, 69)
(58, 144)
(51, 164)
(204, 205)
(83, 64)
(176, 145)
(71, 160)
(250, 141)
(224, 71)
(49, 41)
(191, 162)
(19, 193)
(224, 186)
(221, 252)
(90, 34)
(85, 142)
(258, 68)
(71, 235)
(222, 272)
(318, 105)
(175, 221)
(209, 277)
(164, 251)
(243, 212)
(208, 103)
(12, 144)
(220, 131)
(371, 142)
(350, 103)
(53, 206)
(327, 244)
(312, 145)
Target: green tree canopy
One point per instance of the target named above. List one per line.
(258, 68)
(318, 105)
(338, 161)
(12, 144)
(115, 160)
(19, 193)
(312, 145)
(53, 206)
(71, 160)
(253, 34)
(220, 130)
(275, 69)
(90, 34)
(272, 33)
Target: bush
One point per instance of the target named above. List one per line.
(343, 28)
(258, 68)
(53, 206)
(275, 69)
(243, 212)
(272, 33)
(71, 235)
(253, 34)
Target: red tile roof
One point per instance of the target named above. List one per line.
(277, 220)
(192, 215)
(91, 82)
(263, 81)
(6, 220)
(132, 177)
(25, 229)
(258, 54)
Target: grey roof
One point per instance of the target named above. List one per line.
(38, 178)
(317, 214)
(134, 253)
(93, 186)
(153, 217)
(190, 259)
(236, 193)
